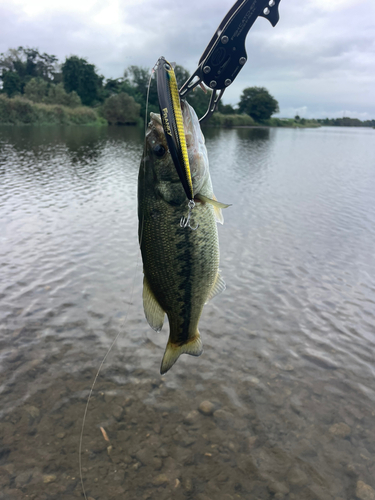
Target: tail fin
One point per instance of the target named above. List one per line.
(173, 352)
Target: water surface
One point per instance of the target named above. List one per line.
(287, 375)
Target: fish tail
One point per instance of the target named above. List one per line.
(173, 352)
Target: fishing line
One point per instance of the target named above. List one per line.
(123, 322)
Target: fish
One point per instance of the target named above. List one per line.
(180, 265)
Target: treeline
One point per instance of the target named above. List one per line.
(36, 88)
(28, 75)
(346, 122)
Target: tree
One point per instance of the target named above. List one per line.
(258, 103)
(135, 83)
(112, 86)
(19, 66)
(226, 109)
(81, 77)
(121, 109)
(12, 84)
(36, 90)
(182, 75)
(199, 100)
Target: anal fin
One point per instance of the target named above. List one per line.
(153, 312)
(218, 287)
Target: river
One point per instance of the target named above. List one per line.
(281, 405)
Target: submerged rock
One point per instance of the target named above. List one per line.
(23, 478)
(191, 417)
(33, 411)
(340, 430)
(51, 478)
(297, 477)
(160, 480)
(364, 491)
(207, 408)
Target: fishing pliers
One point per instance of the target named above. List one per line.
(225, 55)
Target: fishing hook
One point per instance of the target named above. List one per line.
(185, 221)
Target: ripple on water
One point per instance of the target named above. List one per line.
(288, 363)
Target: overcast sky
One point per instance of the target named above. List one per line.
(318, 61)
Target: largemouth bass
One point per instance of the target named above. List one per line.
(180, 265)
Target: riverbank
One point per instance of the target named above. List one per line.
(237, 120)
(21, 111)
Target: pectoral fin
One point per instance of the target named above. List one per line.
(173, 352)
(218, 287)
(216, 204)
(153, 312)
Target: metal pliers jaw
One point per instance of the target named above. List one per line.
(225, 55)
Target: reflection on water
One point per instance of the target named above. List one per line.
(281, 403)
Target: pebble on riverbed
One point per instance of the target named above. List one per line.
(364, 491)
(51, 478)
(191, 417)
(160, 480)
(207, 408)
(340, 430)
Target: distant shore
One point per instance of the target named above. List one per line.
(21, 111)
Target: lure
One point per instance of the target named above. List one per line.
(171, 116)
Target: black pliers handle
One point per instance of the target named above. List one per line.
(225, 55)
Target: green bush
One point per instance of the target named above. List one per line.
(36, 90)
(58, 95)
(19, 111)
(82, 115)
(121, 109)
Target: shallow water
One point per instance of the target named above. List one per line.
(282, 402)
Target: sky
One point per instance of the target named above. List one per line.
(318, 61)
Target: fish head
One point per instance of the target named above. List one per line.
(157, 153)
(158, 158)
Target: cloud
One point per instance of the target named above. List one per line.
(319, 57)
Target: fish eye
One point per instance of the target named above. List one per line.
(159, 150)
